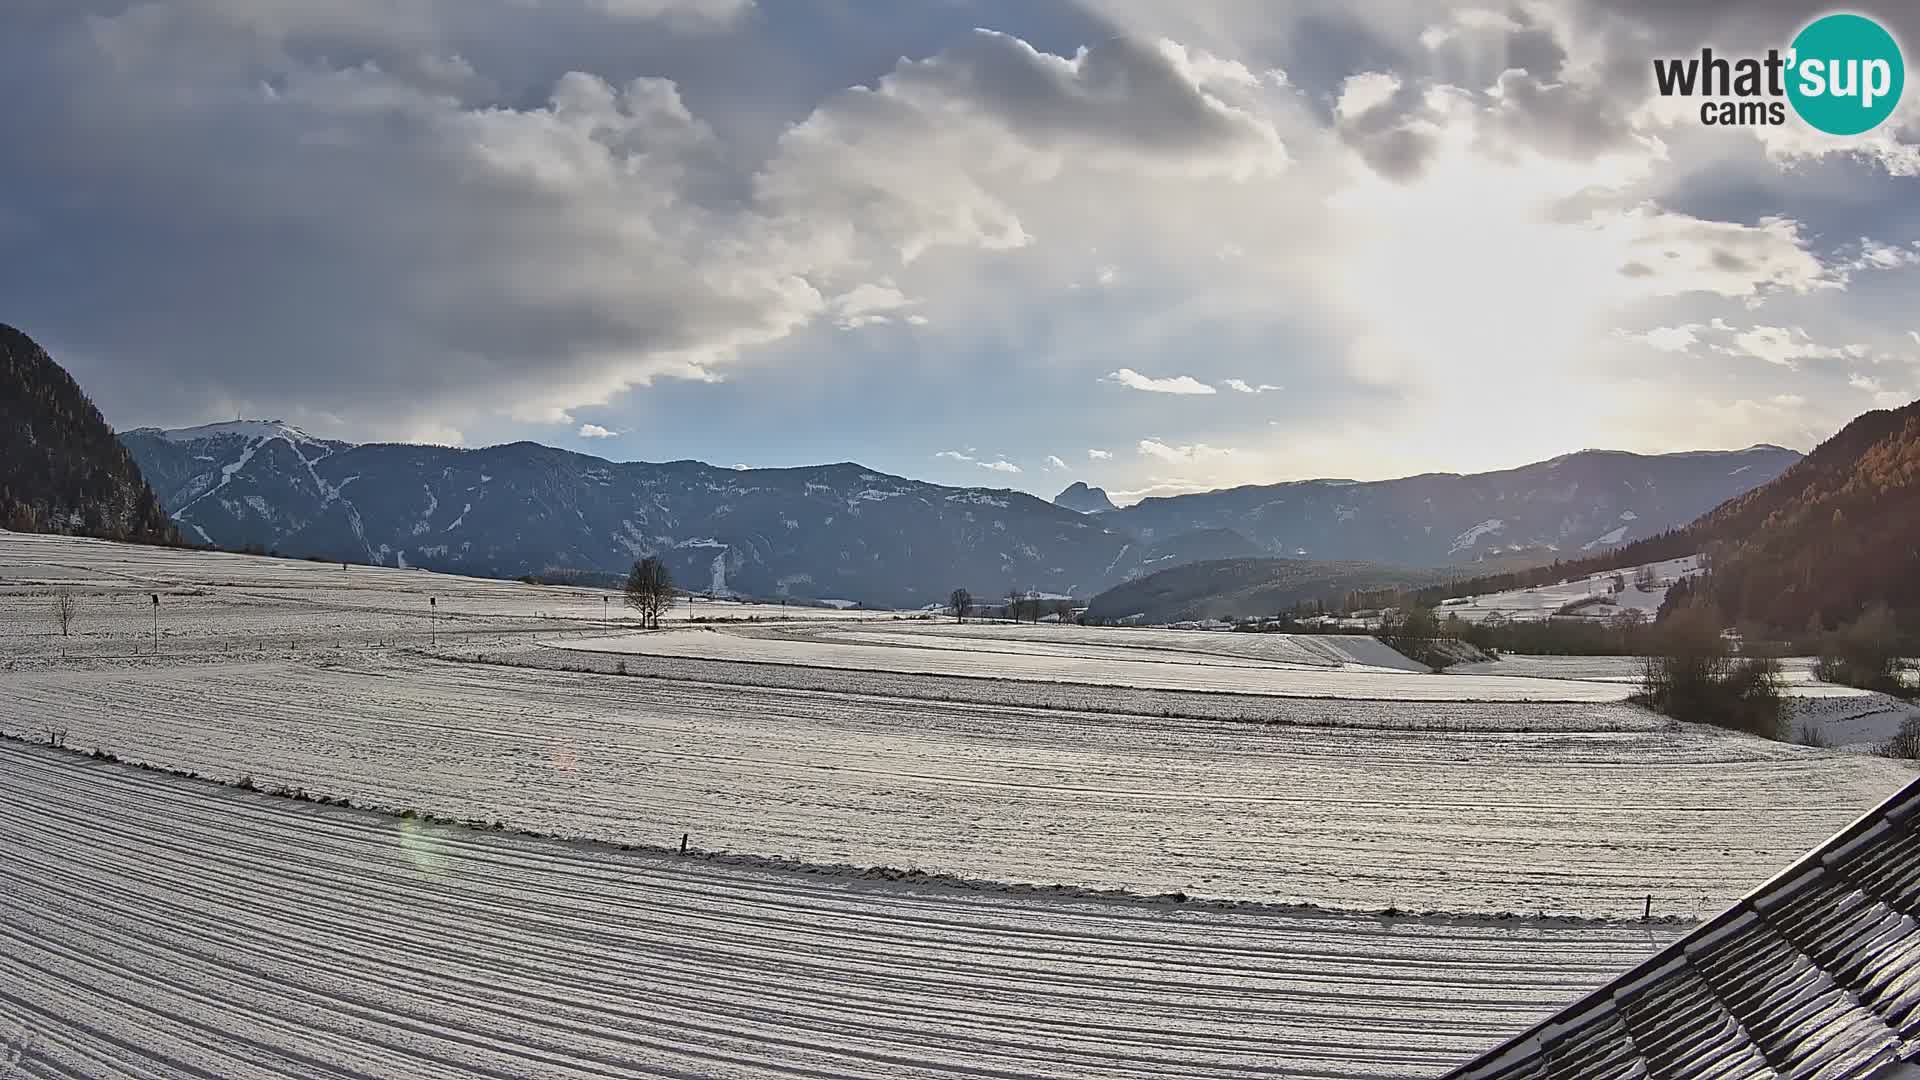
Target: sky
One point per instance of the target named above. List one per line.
(1155, 247)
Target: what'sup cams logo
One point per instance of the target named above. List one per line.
(1843, 74)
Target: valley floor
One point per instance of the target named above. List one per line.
(877, 811)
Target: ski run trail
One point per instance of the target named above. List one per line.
(156, 926)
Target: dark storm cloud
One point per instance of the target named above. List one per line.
(407, 210)
(1119, 92)
(1561, 119)
(1394, 137)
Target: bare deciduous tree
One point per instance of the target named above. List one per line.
(958, 603)
(64, 607)
(650, 590)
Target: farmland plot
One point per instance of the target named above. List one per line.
(158, 927)
(216, 604)
(907, 651)
(1551, 820)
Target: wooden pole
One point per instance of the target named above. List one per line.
(683, 843)
(1648, 914)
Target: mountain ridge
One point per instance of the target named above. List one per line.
(844, 530)
(62, 469)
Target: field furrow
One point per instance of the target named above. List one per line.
(158, 926)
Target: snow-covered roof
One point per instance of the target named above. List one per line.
(1815, 973)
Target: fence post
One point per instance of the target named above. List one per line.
(1648, 914)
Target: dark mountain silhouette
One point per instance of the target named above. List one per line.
(61, 469)
(1087, 500)
(1575, 504)
(845, 532)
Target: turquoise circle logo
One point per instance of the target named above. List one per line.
(1846, 74)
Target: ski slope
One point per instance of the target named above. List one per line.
(158, 927)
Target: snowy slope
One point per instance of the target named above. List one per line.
(1544, 601)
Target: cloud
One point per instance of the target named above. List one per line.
(1663, 253)
(1123, 102)
(695, 15)
(1054, 464)
(1872, 254)
(999, 465)
(1786, 346)
(472, 232)
(1099, 455)
(549, 204)
(1673, 339)
(1241, 386)
(1365, 92)
(1176, 384)
(870, 304)
(1884, 397)
(595, 431)
(1178, 453)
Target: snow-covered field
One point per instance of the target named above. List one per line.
(218, 604)
(1299, 666)
(153, 925)
(1528, 819)
(157, 927)
(1545, 600)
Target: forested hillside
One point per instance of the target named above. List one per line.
(1836, 532)
(61, 468)
(1243, 588)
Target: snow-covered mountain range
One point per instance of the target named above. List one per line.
(845, 532)
(1577, 503)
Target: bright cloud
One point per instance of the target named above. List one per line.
(1181, 453)
(1787, 346)
(1677, 339)
(1242, 386)
(595, 431)
(1177, 384)
(1099, 455)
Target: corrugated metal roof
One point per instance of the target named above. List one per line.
(1815, 974)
